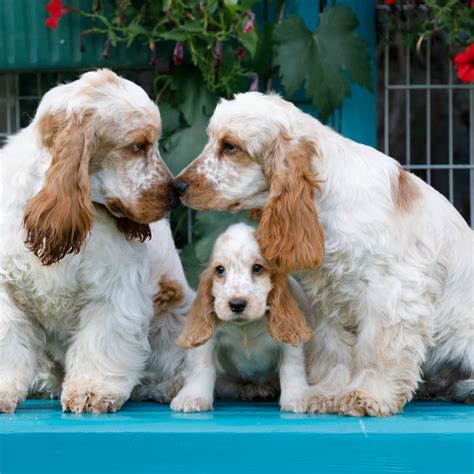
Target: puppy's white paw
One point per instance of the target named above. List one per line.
(189, 404)
(296, 404)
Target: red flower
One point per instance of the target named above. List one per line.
(240, 52)
(464, 62)
(56, 10)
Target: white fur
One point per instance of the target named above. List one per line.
(241, 360)
(89, 314)
(394, 292)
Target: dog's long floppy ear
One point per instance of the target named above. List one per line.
(59, 218)
(286, 321)
(201, 320)
(290, 234)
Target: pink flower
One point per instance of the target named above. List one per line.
(56, 10)
(249, 25)
(218, 52)
(178, 53)
(464, 62)
(254, 84)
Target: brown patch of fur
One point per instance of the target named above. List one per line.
(405, 191)
(290, 234)
(286, 322)
(201, 320)
(59, 218)
(169, 295)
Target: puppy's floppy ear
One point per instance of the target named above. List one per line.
(286, 321)
(59, 218)
(290, 234)
(201, 320)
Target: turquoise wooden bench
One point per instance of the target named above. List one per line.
(428, 437)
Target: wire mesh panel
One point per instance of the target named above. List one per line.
(428, 117)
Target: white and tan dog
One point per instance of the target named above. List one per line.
(387, 260)
(241, 304)
(79, 188)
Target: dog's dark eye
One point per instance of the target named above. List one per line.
(138, 147)
(228, 147)
(257, 269)
(220, 270)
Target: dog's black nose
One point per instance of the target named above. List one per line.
(173, 201)
(237, 306)
(179, 186)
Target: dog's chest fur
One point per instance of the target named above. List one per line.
(247, 351)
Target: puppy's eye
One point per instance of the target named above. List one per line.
(257, 269)
(228, 147)
(138, 147)
(220, 270)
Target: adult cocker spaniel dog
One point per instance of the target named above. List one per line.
(387, 260)
(80, 187)
(241, 304)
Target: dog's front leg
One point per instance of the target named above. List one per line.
(293, 379)
(197, 393)
(106, 357)
(18, 353)
(392, 342)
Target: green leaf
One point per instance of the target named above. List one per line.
(321, 60)
(174, 35)
(249, 40)
(184, 145)
(193, 27)
(169, 119)
(194, 98)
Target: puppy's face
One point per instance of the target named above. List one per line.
(241, 278)
(239, 286)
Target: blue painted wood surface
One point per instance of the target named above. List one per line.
(428, 437)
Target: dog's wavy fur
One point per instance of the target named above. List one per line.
(80, 189)
(386, 260)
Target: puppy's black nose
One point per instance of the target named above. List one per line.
(179, 186)
(237, 306)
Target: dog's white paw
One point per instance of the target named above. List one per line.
(189, 404)
(296, 404)
(9, 401)
(90, 402)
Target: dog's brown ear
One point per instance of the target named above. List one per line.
(201, 320)
(59, 218)
(290, 234)
(286, 321)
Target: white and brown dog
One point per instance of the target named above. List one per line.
(80, 187)
(387, 260)
(241, 305)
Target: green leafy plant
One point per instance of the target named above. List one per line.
(203, 50)
(417, 21)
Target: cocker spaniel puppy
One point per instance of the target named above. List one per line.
(79, 188)
(231, 333)
(387, 260)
